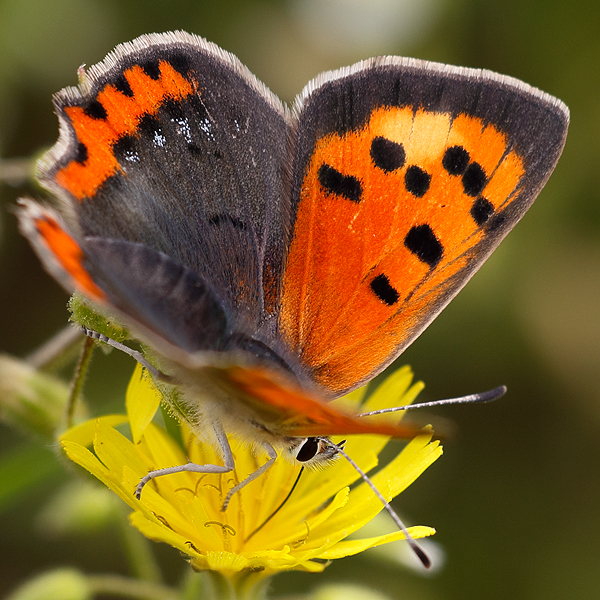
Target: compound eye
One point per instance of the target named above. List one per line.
(308, 450)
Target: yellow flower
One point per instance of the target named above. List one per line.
(251, 536)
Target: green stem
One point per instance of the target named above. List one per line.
(79, 378)
(253, 586)
(247, 586)
(221, 588)
(124, 587)
(194, 586)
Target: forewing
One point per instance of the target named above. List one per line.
(406, 176)
(170, 142)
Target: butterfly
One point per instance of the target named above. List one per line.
(274, 258)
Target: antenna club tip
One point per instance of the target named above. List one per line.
(425, 560)
(495, 393)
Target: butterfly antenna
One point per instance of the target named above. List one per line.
(488, 396)
(421, 555)
(277, 509)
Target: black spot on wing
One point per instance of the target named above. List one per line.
(124, 145)
(122, 85)
(95, 110)
(149, 126)
(421, 241)
(81, 154)
(384, 290)
(496, 222)
(474, 179)
(417, 181)
(334, 182)
(151, 68)
(482, 210)
(387, 155)
(456, 160)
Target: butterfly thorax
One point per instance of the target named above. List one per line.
(211, 398)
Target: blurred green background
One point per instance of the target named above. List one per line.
(516, 497)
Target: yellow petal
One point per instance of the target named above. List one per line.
(363, 505)
(84, 433)
(350, 547)
(339, 501)
(115, 450)
(142, 402)
(299, 532)
(418, 455)
(266, 493)
(316, 486)
(162, 533)
(351, 402)
(160, 448)
(83, 457)
(154, 506)
(320, 535)
(206, 526)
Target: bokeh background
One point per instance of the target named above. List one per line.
(516, 497)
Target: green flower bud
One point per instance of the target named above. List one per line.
(29, 399)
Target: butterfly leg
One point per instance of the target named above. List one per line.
(193, 467)
(159, 375)
(262, 469)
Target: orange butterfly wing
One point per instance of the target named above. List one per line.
(290, 410)
(395, 213)
(60, 252)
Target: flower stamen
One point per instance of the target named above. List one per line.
(163, 521)
(224, 527)
(187, 489)
(298, 543)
